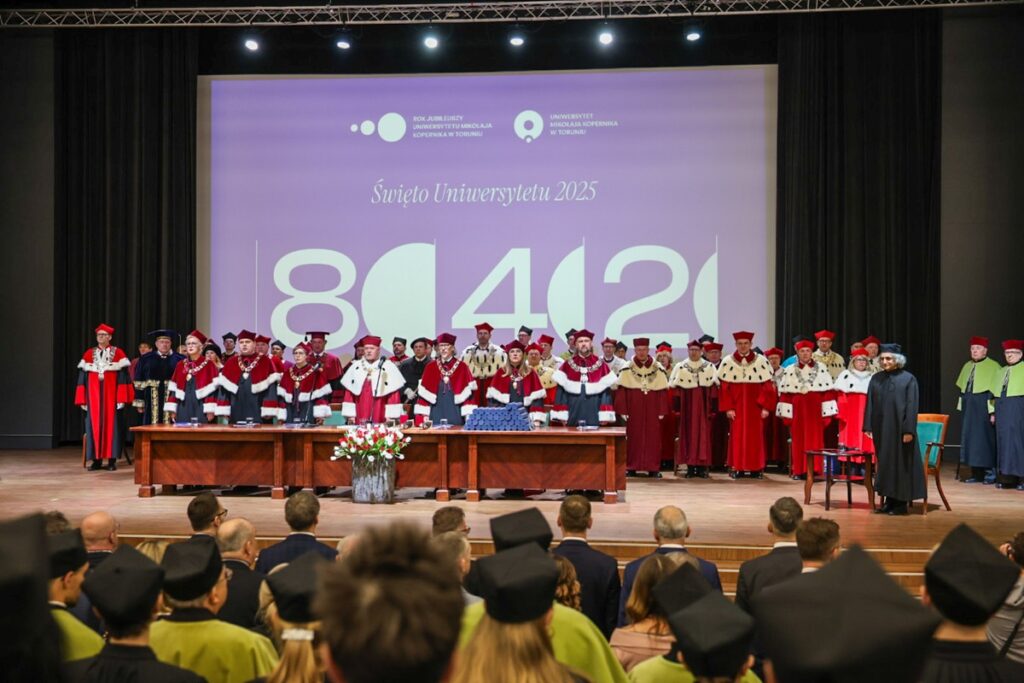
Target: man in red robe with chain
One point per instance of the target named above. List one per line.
(192, 390)
(447, 390)
(303, 391)
(747, 398)
(102, 391)
(249, 382)
(328, 362)
(373, 386)
(642, 399)
(807, 403)
(484, 360)
(695, 383)
(584, 386)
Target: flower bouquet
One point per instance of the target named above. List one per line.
(373, 450)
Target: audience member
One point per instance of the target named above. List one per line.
(346, 544)
(449, 518)
(56, 522)
(302, 512)
(99, 533)
(817, 539)
(671, 530)
(153, 549)
(597, 572)
(390, 610)
(454, 547)
(713, 637)
(647, 634)
(783, 562)
(966, 580)
(511, 643)
(125, 590)
(567, 591)
(68, 564)
(291, 619)
(236, 539)
(195, 587)
(205, 515)
(1005, 629)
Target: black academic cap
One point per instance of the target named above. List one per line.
(67, 552)
(125, 587)
(156, 334)
(191, 568)
(680, 589)
(890, 348)
(518, 584)
(294, 587)
(714, 636)
(758, 351)
(24, 567)
(967, 578)
(517, 528)
(571, 333)
(230, 335)
(705, 338)
(527, 330)
(621, 345)
(278, 343)
(211, 346)
(398, 339)
(801, 337)
(426, 341)
(847, 622)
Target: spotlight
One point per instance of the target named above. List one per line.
(693, 35)
(516, 41)
(431, 42)
(251, 45)
(693, 31)
(343, 44)
(605, 38)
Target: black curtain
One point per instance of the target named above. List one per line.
(125, 185)
(858, 182)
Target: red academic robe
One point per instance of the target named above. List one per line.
(372, 391)
(529, 388)
(807, 403)
(642, 396)
(852, 399)
(310, 386)
(332, 370)
(103, 389)
(776, 434)
(262, 375)
(695, 387)
(205, 374)
(747, 388)
(460, 381)
(670, 425)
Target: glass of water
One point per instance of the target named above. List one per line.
(581, 425)
(249, 422)
(444, 423)
(193, 422)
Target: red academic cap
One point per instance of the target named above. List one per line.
(664, 346)
(371, 340)
(825, 334)
(743, 334)
(858, 353)
(246, 334)
(261, 338)
(871, 340)
(534, 347)
(545, 339)
(445, 338)
(609, 340)
(484, 326)
(643, 341)
(317, 335)
(1013, 344)
(103, 327)
(713, 346)
(694, 342)
(803, 344)
(198, 335)
(515, 344)
(305, 346)
(979, 341)
(584, 334)
(774, 351)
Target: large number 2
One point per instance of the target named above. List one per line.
(327, 297)
(666, 297)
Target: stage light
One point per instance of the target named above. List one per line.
(343, 44)
(693, 31)
(516, 40)
(693, 35)
(605, 38)
(251, 45)
(431, 42)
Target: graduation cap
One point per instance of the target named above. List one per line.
(527, 330)
(125, 587)
(714, 636)
(67, 552)
(294, 587)
(168, 333)
(518, 584)
(519, 528)
(417, 340)
(967, 578)
(758, 351)
(847, 621)
(571, 333)
(230, 335)
(211, 346)
(680, 589)
(398, 339)
(191, 569)
(277, 343)
(890, 348)
(620, 346)
(705, 339)
(24, 566)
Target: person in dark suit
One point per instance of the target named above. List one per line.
(99, 533)
(236, 539)
(781, 563)
(597, 572)
(205, 515)
(302, 512)
(670, 531)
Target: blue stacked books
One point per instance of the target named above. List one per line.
(510, 418)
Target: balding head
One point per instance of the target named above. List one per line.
(99, 531)
(236, 539)
(670, 525)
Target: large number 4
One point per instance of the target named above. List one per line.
(676, 288)
(516, 262)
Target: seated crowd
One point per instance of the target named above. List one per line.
(398, 604)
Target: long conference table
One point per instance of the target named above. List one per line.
(443, 459)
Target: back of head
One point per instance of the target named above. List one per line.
(98, 531)
(301, 510)
(785, 515)
(391, 610)
(670, 524)
(234, 534)
(202, 510)
(453, 546)
(448, 518)
(575, 514)
(640, 603)
(56, 522)
(567, 592)
(817, 539)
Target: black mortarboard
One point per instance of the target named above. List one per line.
(156, 334)
(24, 567)
(680, 589)
(799, 338)
(621, 346)
(230, 335)
(705, 338)
(278, 343)
(192, 568)
(714, 636)
(527, 330)
(967, 578)
(890, 348)
(847, 622)
(124, 587)
(67, 552)
(422, 339)
(758, 351)
(571, 333)
(518, 584)
(294, 587)
(398, 339)
(211, 346)
(517, 528)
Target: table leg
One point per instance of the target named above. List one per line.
(443, 494)
(473, 492)
(168, 489)
(809, 481)
(144, 468)
(869, 469)
(828, 481)
(277, 491)
(307, 460)
(611, 493)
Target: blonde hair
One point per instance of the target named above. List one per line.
(509, 653)
(299, 662)
(567, 591)
(154, 550)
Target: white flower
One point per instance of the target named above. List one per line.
(369, 458)
(400, 456)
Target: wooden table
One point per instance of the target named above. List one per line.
(830, 454)
(442, 459)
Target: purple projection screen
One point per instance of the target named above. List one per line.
(635, 203)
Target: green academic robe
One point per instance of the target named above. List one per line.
(985, 372)
(77, 641)
(661, 670)
(577, 643)
(1015, 385)
(218, 651)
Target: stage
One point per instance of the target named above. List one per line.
(728, 518)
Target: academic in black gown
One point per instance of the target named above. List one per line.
(444, 407)
(969, 662)
(127, 664)
(890, 413)
(246, 405)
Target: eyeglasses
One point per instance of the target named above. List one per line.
(222, 514)
(465, 530)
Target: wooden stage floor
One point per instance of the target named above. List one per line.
(720, 510)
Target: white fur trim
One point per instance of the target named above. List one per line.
(410, 394)
(497, 395)
(427, 395)
(282, 414)
(467, 409)
(268, 412)
(853, 382)
(419, 409)
(113, 367)
(829, 409)
(170, 407)
(265, 384)
(210, 407)
(223, 411)
(535, 396)
(393, 411)
(685, 376)
(322, 411)
(818, 375)
(465, 393)
(172, 388)
(358, 373)
(606, 416)
(227, 384)
(784, 410)
(348, 409)
(561, 415)
(205, 391)
(758, 370)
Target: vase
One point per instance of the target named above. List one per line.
(373, 482)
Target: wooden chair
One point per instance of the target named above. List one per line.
(931, 439)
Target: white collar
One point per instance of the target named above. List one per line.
(672, 546)
(58, 603)
(809, 570)
(784, 544)
(302, 533)
(581, 539)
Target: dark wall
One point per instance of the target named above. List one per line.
(982, 187)
(26, 224)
